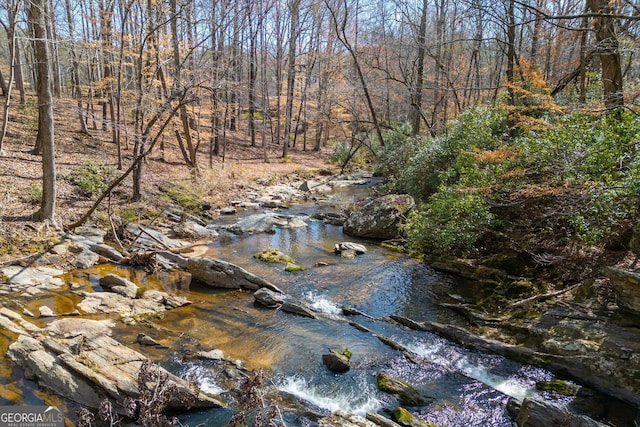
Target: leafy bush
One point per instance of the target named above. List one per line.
(92, 178)
(449, 224)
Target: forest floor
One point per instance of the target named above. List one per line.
(217, 183)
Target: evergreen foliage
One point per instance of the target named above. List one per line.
(578, 172)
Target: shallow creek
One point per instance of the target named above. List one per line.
(468, 388)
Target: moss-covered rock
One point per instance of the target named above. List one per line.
(406, 418)
(293, 268)
(408, 395)
(272, 255)
(557, 386)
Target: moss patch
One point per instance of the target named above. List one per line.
(272, 255)
(293, 268)
(406, 418)
(560, 387)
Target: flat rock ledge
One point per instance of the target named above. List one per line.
(79, 360)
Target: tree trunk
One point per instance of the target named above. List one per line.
(291, 73)
(609, 52)
(75, 75)
(416, 104)
(45, 112)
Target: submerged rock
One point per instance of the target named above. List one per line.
(379, 218)
(222, 274)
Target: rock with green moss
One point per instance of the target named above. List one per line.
(337, 362)
(408, 395)
(560, 387)
(293, 268)
(272, 255)
(406, 418)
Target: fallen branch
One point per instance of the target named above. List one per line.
(541, 297)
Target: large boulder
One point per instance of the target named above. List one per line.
(626, 285)
(379, 218)
(222, 274)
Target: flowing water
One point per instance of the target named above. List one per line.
(467, 388)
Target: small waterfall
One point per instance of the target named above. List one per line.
(204, 377)
(358, 400)
(322, 304)
(480, 367)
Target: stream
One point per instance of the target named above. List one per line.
(466, 387)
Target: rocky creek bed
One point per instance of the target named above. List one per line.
(69, 347)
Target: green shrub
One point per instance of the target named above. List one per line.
(92, 178)
(449, 224)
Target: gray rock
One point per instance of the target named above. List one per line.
(168, 300)
(119, 285)
(49, 370)
(193, 230)
(86, 366)
(86, 259)
(265, 223)
(46, 311)
(336, 362)
(211, 355)
(299, 309)
(32, 279)
(379, 218)
(343, 419)
(149, 238)
(110, 302)
(268, 298)
(626, 285)
(535, 413)
(90, 232)
(221, 274)
(229, 210)
(346, 246)
(105, 251)
(171, 258)
(144, 339)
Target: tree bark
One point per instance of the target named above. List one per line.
(609, 53)
(45, 111)
(416, 104)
